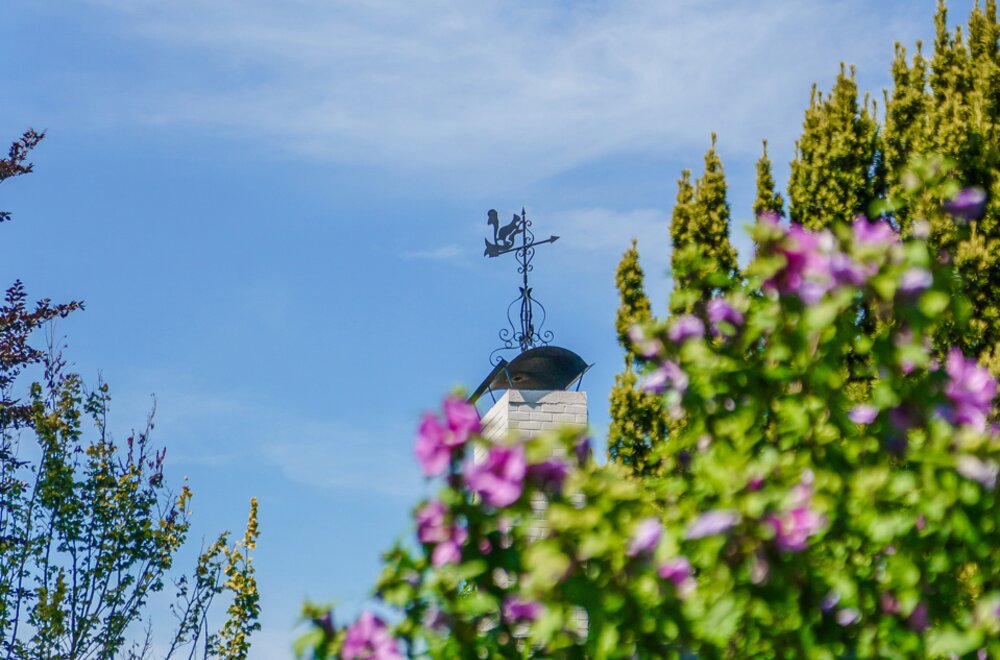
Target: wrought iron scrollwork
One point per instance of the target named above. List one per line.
(525, 334)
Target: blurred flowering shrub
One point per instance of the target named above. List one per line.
(790, 516)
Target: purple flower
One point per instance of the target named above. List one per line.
(904, 417)
(971, 390)
(845, 270)
(792, 529)
(499, 480)
(863, 414)
(915, 281)
(879, 232)
(719, 311)
(548, 475)
(517, 609)
(918, 618)
(449, 551)
(645, 538)
(676, 570)
(462, 419)
(369, 639)
(770, 218)
(582, 450)
(430, 523)
(684, 327)
(829, 602)
(985, 472)
(669, 375)
(431, 448)
(807, 270)
(432, 530)
(889, 603)
(711, 523)
(645, 347)
(967, 204)
(847, 616)
(434, 619)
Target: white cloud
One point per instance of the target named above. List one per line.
(354, 463)
(601, 229)
(216, 429)
(497, 91)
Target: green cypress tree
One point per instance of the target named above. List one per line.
(768, 200)
(703, 258)
(906, 120)
(950, 106)
(638, 421)
(836, 172)
(713, 207)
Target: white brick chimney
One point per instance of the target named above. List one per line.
(530, 412)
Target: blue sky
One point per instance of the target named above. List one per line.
(275, 211)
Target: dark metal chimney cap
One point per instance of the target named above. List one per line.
(540, 368)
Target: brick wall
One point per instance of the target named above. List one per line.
(530, 412)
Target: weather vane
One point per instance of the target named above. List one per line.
(505, 240)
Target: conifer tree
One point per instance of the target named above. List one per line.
(949, 106)
(638, 421)
(703, 258)
(768, 200)
(836, 172)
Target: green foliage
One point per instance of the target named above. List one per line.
(768, 199)
(703, 258)
(836, 172)
(958, 99)
(786, 529)
(634, 308)
(638, 420)
(89, 530)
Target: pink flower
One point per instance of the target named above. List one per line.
(678, 571)
(792, 529)
(369, 639)
(446, 539)
(431, 448)
(435, 441)
(807, 270)
(971, 390)
(430, 523)
(645, 347)
(499, 480)
(711, 523)
(517, 609)
(645, 538)
(863, 414)
(719, 311)
(684, 327)
(879, 232)
(462, 419)
(449, 551)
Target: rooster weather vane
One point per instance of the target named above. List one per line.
(505, 240)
